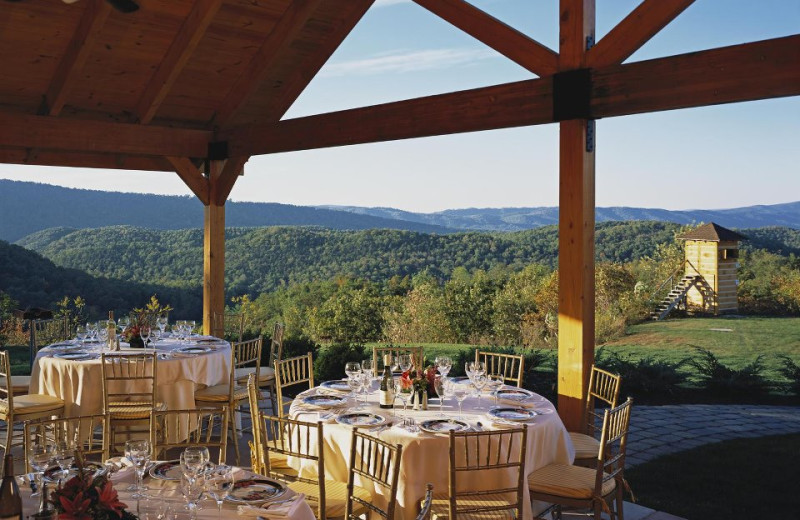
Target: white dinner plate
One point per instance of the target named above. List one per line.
(361, 419)
(78, 355)
(512, 413)
(443, 426)
(195, 349)
(324, 400)
(339, 385)
(256, 490)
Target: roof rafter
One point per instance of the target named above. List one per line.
(80, 45)
(222, 185)
(181, 49)
(635, 30)
(39, 157)
(511, 43)
(285, 31)
(192, 177)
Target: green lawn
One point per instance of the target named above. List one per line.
(741, 478)
(20, 357)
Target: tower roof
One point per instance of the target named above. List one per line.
(712, 232)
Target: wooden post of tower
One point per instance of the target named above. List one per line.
(571, 90)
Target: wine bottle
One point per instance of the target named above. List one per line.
(111, 342)
(10, 499)
(387, 385)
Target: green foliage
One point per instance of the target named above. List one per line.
(330, 360)
(791, 371)
(649, 378)
(352, 314)
(722, 382)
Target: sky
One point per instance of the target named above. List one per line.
(723, 156)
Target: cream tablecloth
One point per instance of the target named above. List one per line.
(80, 383)
(425, 455)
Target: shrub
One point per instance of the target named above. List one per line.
(725, 383)
(330, 361)
(791, 371)
(648, 378)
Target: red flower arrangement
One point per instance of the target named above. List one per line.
(89, 497)
(417, 381)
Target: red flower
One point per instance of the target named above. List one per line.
(107, 498)
(405, 380)
(75, 509)
(73, 486)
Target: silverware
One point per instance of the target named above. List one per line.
(479, 426)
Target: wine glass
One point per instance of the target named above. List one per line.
(123, 323)
(91, 330)
(352, 368)
(144, 332)
(367, 368)
(138, 452)
(460, 392)
(102, 333)
(80, 334)
(161, 323)
(190, 325)
(219, 483)
(495, 383)
(192, 489)
(444, 364)
(194, 460)
(40, 455)
(440, 386)
(404, 361)
(354, 383)
(479, 382)
(64, 452)
(398, 392)
(366, 385)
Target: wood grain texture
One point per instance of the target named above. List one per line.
(506, 40)
(184, 44)
(78, 50)
(192, 177)
(111, 161)
(501, 106)
(635, 30)
(213, 259)
(221, 187)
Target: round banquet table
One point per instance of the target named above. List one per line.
(80, 382)
(426, 455)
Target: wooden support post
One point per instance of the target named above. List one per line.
(213, 255)
(575, 231)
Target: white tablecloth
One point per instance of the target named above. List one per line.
(161, 492)
(80, 383)
(426, 456)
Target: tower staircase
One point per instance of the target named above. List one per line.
(676, 295)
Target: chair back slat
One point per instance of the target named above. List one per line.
(256, 456)
(88, 433)
(374, 460)
(417, 356)
(171, 429)
(129, 378)
(6, 387)
(425, 510)
(603, 387)
(248, 353)
(45, 332)
(613, 445)
(511, 367)
(228, 326)
(291, 372)
(276, 344)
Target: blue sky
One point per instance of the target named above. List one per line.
(712, 157)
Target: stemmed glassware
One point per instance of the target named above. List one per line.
(398, 392)
(138, 452)
(144, 332)
(194, 460)
(80, 334)
(404, 361)
(494, 383)
(190, 325)
(102, 333)
(479, 382)
(352, 369)
(192, 489)
(40, 456)
(91, 330)
(440, 386)
(367, 368)
(123, 323)
(460, 392)
(64, 455)
(219, 483)
(443, 365)
(161, 323)
(366, 385)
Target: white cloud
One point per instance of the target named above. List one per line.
(407, 61)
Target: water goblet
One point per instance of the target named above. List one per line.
(444, 364)
(102, 333)
(366, 385)
(354, 383)
(460, 392)
(91, 330)
(495, 383)
(404, 361)
(80, 334)
(64, 455)
(440, 386)
(190, 325)
(192, 489)
(402, 393)
(479, 382)
(367, 368)
(144, 332)
(194, 460)
(219, 483)
(123, 323)
(40, 456)
(161, 323)
(352, 368)
(138, 452)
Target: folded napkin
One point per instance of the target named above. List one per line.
(282, 510)
(525, 403)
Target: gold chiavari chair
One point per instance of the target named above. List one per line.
(425, 510)
(130, 382)
(228, 326)
(88, 433)
(232, 394)
(594, 488)
(43, 333)
(178, 429)
(510, 367)
(24, 407)
(267, 378)
(417, 356)
(603, 387)
(495, 454)
(257, 455)
(379, 462)
(291, 372)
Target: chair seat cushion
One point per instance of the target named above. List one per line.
(265, 374)
(335, 496)
(586, 446)
(567, 481)
(440, 506)
(219, 394)
(33, 403)
(20, 384)
(133, 409)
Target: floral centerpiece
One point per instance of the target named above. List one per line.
(419, 382)
(143, 318)
(89, 497)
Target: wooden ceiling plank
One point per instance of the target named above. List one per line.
(223, 184)
(304, 72)
(747, 72)
(506, 40)
(82, 160)
(76, 54)
(285, 31)
(192, 177)
(181, 49)
(635, 30)
(500, 106)
(73, 135)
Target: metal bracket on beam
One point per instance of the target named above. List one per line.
(590, 133)
(572, 92)
(218, 150)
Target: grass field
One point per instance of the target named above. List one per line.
(741, 478)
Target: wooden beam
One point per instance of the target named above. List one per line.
(38, 157)
(181, 49)
(501, 106)
(282, 35)
(747, 72)
(506, 40)
(213, 260)
(635, 30)
(74, 58)
(221, 188)
(192, 177)
(72, 135)
(575, 230)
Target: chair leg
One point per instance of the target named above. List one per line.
(620, 513)
(234, 432)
